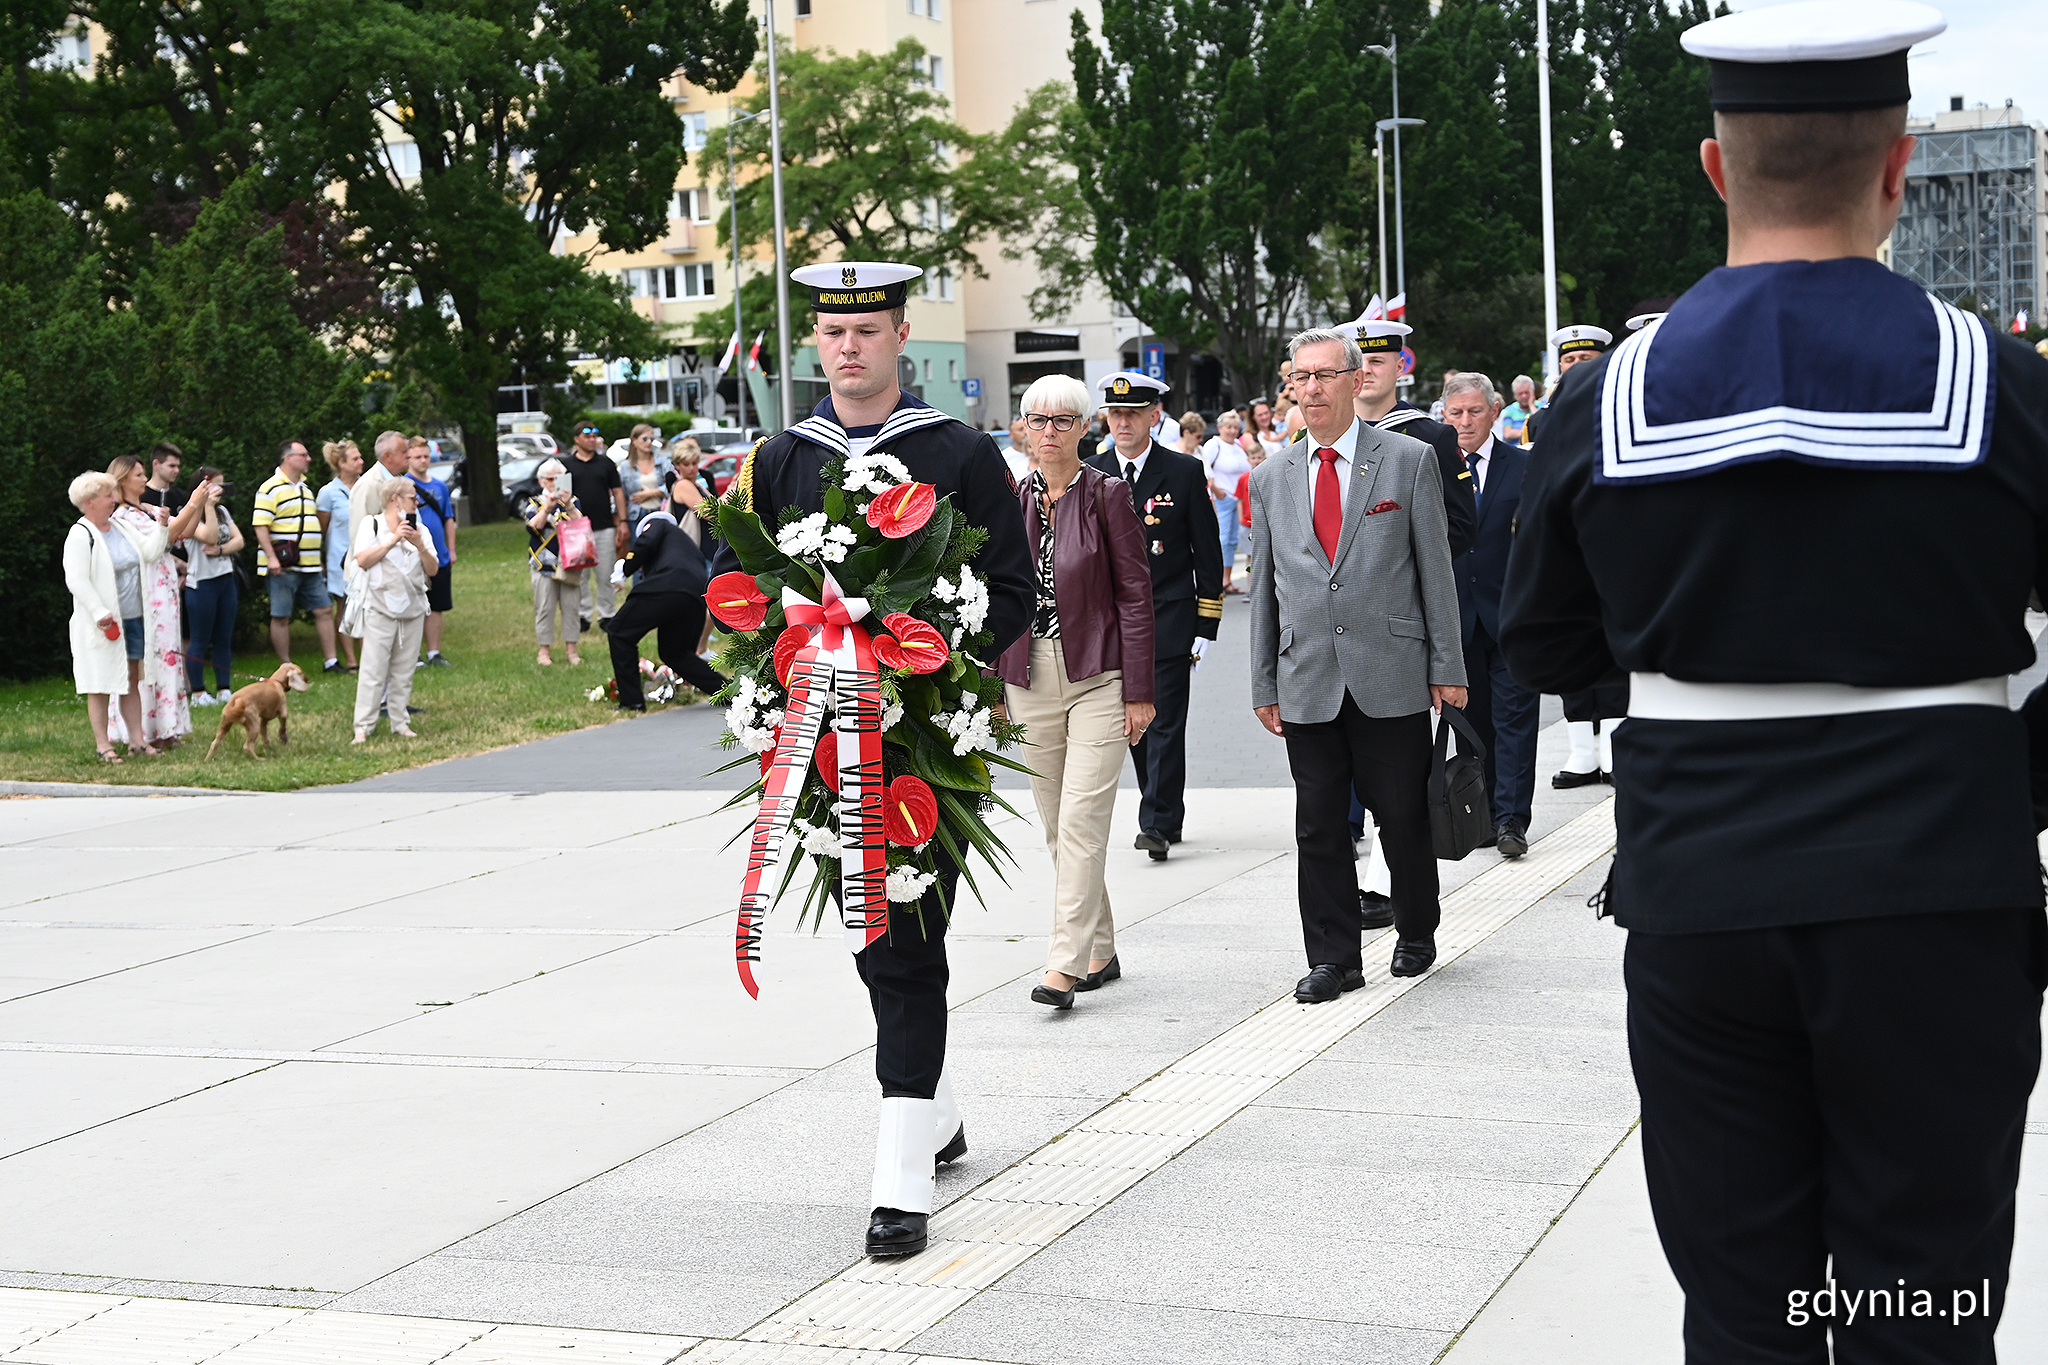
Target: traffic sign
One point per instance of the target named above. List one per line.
(1407, 360)
(971, 388)
(1155, 360)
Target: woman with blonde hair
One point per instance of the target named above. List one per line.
(345, 462)
(161, 685)
(554, 590)
(105, 560)
(1067, 683)
(397, 559)
(641, 477)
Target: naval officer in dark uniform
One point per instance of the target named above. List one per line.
(859, 335)
(1804, 512)
(1171, 494)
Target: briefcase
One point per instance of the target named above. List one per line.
(1459, 817)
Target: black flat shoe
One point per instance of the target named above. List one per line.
(1112, 970)
(1059, 1000)
(1153, 843)
(1326, 982)
(1568, 779)
(1173, 838)
(892, 1232)
(1511, 842)
(953, 1150)
(1375, 911)
(1413, 958)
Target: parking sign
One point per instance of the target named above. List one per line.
(970, 388)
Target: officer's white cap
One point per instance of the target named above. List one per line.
(1130, 389)
(1813, 56)
(1642, 320)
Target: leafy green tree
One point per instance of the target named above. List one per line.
(1213, 143)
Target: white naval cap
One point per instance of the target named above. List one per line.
(1642, 320)
(1812, 56)
(1375, 334)
(1130, 389)
(1580, 337)
(856, 286)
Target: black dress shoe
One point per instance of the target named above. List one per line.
(1326, 982)
(1153, 843)
(953, 1150)
(1511, 842)
(1568, 779)
(626, 706)
(1059, 1000)
(1413, 957)
(1375, 911)
(1112, 970)
(892, 1232)
(1173, 838)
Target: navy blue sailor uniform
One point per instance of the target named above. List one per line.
(905, 971)
(1802, 513)
(1171, 497)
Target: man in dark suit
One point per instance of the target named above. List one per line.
(1171, 494)
(1503, 711)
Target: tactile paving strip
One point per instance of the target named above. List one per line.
(881, 1306)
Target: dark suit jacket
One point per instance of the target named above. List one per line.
(1179, 526)
(1459, 516)
(1484, 568)
(666, 559)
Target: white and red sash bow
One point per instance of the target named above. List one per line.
(839, 662)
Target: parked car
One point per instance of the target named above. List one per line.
(514, 445)
(448, 472)
(444, 450)
(519, 481)
(722, 467)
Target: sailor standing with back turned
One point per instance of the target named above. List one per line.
(1815, 569)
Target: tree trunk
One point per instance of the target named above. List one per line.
(480, 479)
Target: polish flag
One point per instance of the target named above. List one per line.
(2019, 322)
(1397, 308)
(732, 350)
(754, 352)
(1375, 310)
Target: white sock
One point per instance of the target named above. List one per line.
(1585, 756)
(903, 1155)
(1607, 729)
(945, 1113)
(1377, 878)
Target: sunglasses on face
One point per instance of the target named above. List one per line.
(589, 431)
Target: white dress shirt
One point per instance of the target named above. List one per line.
(1121, 464)
(1345, 446)
(1481, 460)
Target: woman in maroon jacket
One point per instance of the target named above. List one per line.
(1067, 683)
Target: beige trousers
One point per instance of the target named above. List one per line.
(1077, 733)
(390, 650)
(550, 592)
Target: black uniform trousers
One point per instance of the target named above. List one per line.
(679, 619)
(1161, 757)
(1855, 1089)
(1504, 713)
(1386, 760)
(906, 975)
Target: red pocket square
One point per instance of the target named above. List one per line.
(1388, 506)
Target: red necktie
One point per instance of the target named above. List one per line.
(1329, 503)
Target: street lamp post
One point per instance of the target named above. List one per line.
(1391, 51)
(784, 383)
(732, 200)
(1380, 131)
(1549, 210)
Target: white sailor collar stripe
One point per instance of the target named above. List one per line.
(1951, 433)
(829, 434)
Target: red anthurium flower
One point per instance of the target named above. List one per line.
(902, 509)
(917, 648)
(737, 600)
(910, 813)
(826, 756)
(786, 646)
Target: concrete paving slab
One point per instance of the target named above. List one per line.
(24, 821)
(40, 960)
(288, 990)
(1485, 1149)
(276, 820)
(515, 820)
(325, 1177)
(1046, 1330)
(556, 891)
(50, 1095)
(1415, 1042)
(1606, 1102)
(31, 875)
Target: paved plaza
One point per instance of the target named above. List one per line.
(418, 1071)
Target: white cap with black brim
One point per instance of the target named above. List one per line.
(1812, 57)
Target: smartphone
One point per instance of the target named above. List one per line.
(412, 519)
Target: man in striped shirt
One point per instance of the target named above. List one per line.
(289, 555)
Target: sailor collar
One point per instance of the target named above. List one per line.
(1838, 363)
(1401, 415)
(822, 426)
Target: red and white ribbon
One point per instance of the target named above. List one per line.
(839, 661)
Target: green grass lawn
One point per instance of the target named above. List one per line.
(495, 695)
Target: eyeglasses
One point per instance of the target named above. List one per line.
(1039, 421)
(1318, 376)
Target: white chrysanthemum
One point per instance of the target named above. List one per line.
(595, 694)
(820, 841)
(890, 715)
(906, 883)
(755, 741)
(972, 605)
(970, 729)
(874, 472)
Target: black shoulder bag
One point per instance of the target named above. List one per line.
(1459, 817)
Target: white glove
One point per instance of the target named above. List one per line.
(1201, 647)
(618, 573)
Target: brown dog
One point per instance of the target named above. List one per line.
(255, 706)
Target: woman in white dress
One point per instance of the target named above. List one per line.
(106, 558)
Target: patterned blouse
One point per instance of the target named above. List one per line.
(1045, 620)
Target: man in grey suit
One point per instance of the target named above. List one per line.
(1354, 641)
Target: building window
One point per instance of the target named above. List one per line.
(928, 8)
(927, 370)
(938, 73)
(952, 371)
(72, 52)
(692, 205)
(404, 158)
(945, 286)
(696, 129)
(803, 9)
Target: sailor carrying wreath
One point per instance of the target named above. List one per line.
(856, 645)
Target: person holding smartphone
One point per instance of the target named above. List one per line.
(397, 560)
